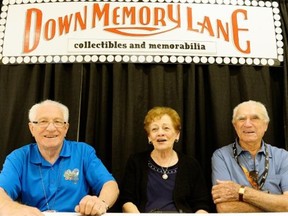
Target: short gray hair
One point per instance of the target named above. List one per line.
(33, 110)
(263, 109)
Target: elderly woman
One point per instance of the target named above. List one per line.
(161, 179)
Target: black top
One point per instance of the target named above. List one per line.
(159, 189)
(190, 192)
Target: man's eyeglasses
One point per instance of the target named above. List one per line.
(45, 123)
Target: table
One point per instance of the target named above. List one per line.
(170, 214)
(61, 214)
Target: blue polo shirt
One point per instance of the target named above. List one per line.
(225, 167)
(27, 176)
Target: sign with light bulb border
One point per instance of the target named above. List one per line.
(148, 31)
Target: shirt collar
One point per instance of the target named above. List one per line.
(240, 149)
(36, 157)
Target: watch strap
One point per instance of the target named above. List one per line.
(241, 192)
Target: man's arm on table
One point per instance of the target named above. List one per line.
(226, 197)
(12, 208)
(236, 207)
(266, 201)
(109, 193)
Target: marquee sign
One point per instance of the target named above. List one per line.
(149, 31)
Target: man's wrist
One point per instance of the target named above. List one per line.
(107, 206)
(241, 192)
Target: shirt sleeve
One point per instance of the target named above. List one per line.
(96, 173)
(220, 169)
(10, 175)
(284, 171)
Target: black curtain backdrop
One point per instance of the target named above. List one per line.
(108, 103)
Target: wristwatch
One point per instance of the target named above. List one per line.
(241, 192)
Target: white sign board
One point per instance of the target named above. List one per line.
(229, 32)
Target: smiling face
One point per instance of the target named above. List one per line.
(162, 133)
(50, 137)
(250, 124)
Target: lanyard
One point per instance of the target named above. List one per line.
(265, 173)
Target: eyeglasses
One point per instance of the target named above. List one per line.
(45, 123)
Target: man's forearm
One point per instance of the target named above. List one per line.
(265, 201)
(236, 206)
(109, 193)
(13, 208)
(4, 199)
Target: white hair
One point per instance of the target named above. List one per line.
(263, 110)
(33, 110)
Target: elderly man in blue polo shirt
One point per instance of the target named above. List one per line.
(250, 175)
(54, 174)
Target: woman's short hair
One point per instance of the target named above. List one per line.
(157, 112)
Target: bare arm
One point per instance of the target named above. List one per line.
(109, 193)
(225, 196)
(12, 208)
(236, 207)
(265, 201)
(129, 207)
(201, 211)
(93, 205)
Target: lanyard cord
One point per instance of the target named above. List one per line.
(57, 188)
(265, 173)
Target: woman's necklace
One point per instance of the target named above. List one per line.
(165, 170)
(164, 176)
(43, 187)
